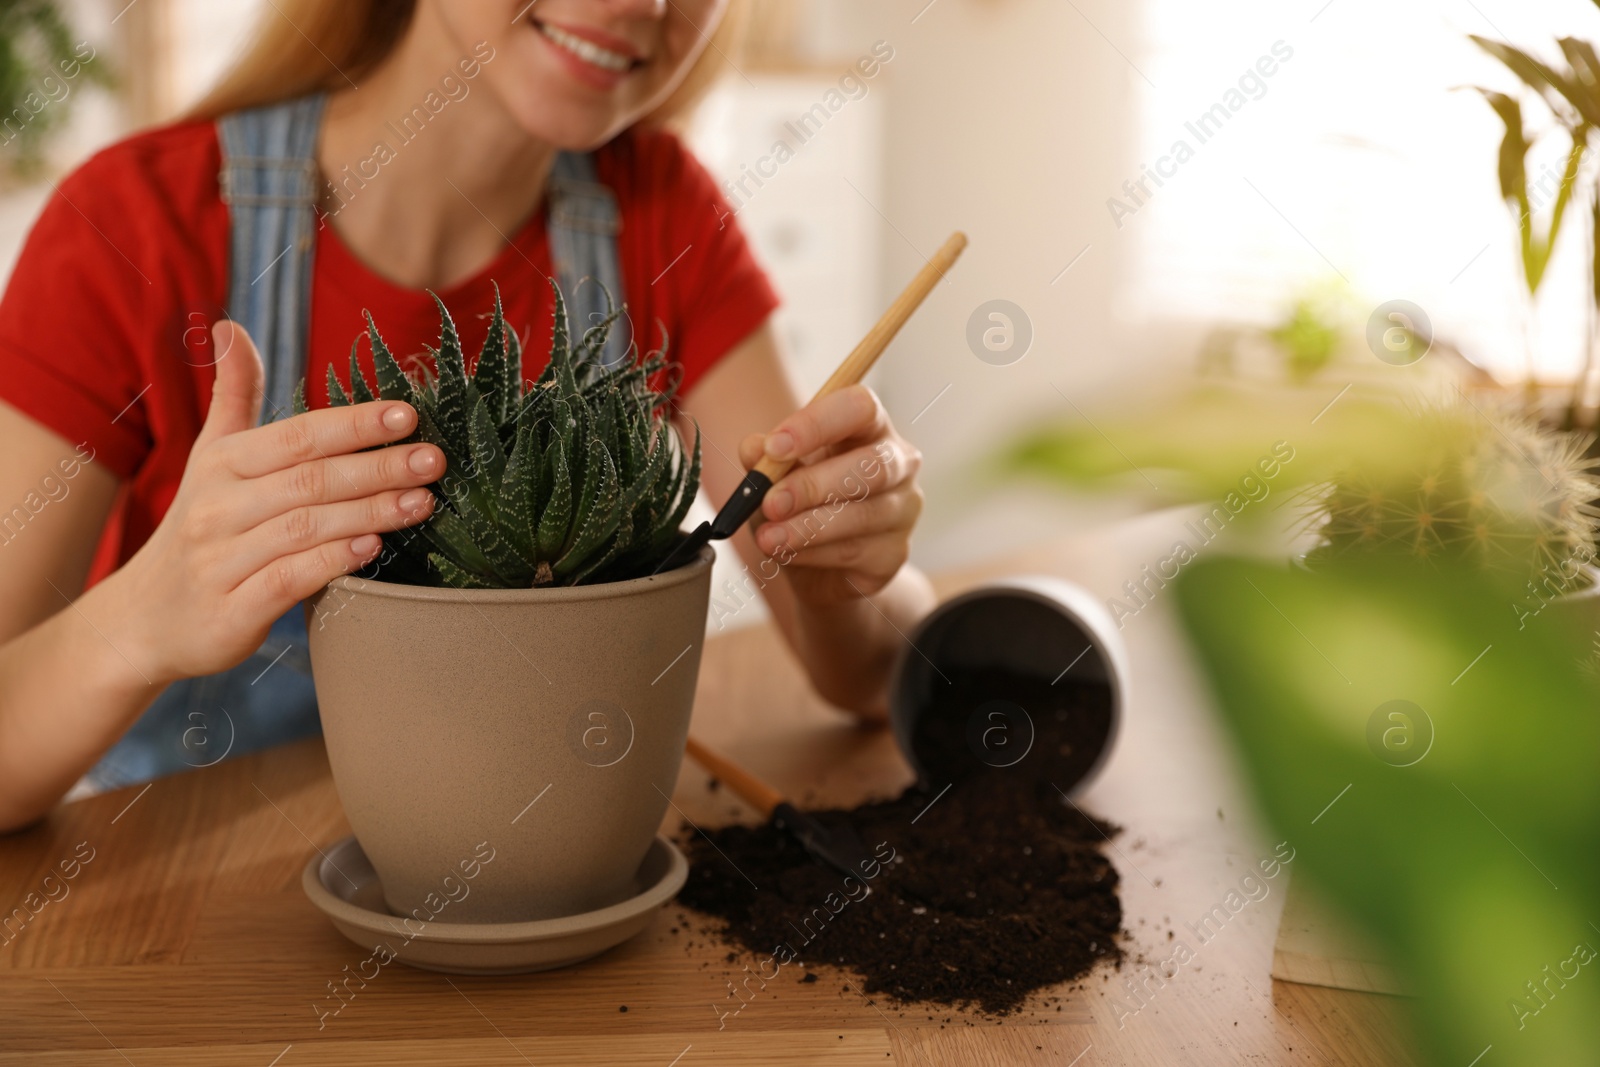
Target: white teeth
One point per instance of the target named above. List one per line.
(587, 51)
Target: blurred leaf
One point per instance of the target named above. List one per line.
(1478, 865)
(1513, 148)
(1555, 88)
(1585, 77)
(1200, 445)
(1513, 176)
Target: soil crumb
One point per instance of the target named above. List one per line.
(986, 887)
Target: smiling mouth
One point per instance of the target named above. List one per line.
(586, 50)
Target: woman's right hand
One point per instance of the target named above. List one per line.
(263, 518)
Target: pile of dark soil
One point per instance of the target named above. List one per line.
(996, 888)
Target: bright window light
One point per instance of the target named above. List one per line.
(1359, 156)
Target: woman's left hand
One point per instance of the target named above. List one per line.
(839, 522)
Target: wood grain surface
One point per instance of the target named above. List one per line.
(184, 938)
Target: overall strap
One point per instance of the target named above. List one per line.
(269, 181)
(583, 224)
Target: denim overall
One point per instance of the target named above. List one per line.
(270, 182)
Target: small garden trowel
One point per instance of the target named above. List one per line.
(838, 847)
(747, 498)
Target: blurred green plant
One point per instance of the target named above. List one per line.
(1477, 865)
(40, 58)
(1449, 857)
(1316, 325)
(1194, 447)
(1485, 485)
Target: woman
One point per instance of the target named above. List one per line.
(434, 127)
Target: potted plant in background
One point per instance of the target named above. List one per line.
(1420, 729)
(1483, 486)
(40, 58)
(1571, 92)
(468, 676)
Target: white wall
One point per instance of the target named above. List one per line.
(1008, 119)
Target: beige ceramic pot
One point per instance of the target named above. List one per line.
(507, 755)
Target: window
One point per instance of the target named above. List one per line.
(1354, 157)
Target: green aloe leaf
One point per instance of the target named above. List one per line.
(360, 391)
(337, 397)
(655, 474)
(613, 549)
(519, 486)
(557, 517)
(597, 510)
(560, 345)
(451, 537)
(685, 490)
(517, 398)
(456, 390)
(455, 576)
(493, 375)
(428, 430)
(482, 523)
(392, 381)
(488, 458)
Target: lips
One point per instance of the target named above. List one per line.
(595, 57)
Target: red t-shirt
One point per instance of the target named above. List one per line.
(104, 328)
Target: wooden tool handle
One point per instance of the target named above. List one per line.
(751, 790)
(858, 362)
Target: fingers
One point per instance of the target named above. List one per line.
(851, 476)
(751, 449)
(304, 529)
(851, 416)
(847, 520)
(319, 434)
(236, 393)
(288, 580)
(875, 559)
(327, 481)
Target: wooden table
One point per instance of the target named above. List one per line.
(186, 940)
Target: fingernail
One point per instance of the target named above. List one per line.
(413, 502)
(779, 504)
(780, 445)
(423, 461)
(775, 536)
(397, 417)
(366, 545)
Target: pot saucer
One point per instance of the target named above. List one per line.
(343, 886)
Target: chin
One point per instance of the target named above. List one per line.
(549, 112)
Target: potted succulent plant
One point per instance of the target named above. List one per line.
(517, 647)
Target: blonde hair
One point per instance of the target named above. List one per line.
(301, 46)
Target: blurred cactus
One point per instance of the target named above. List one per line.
(1485, 485)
